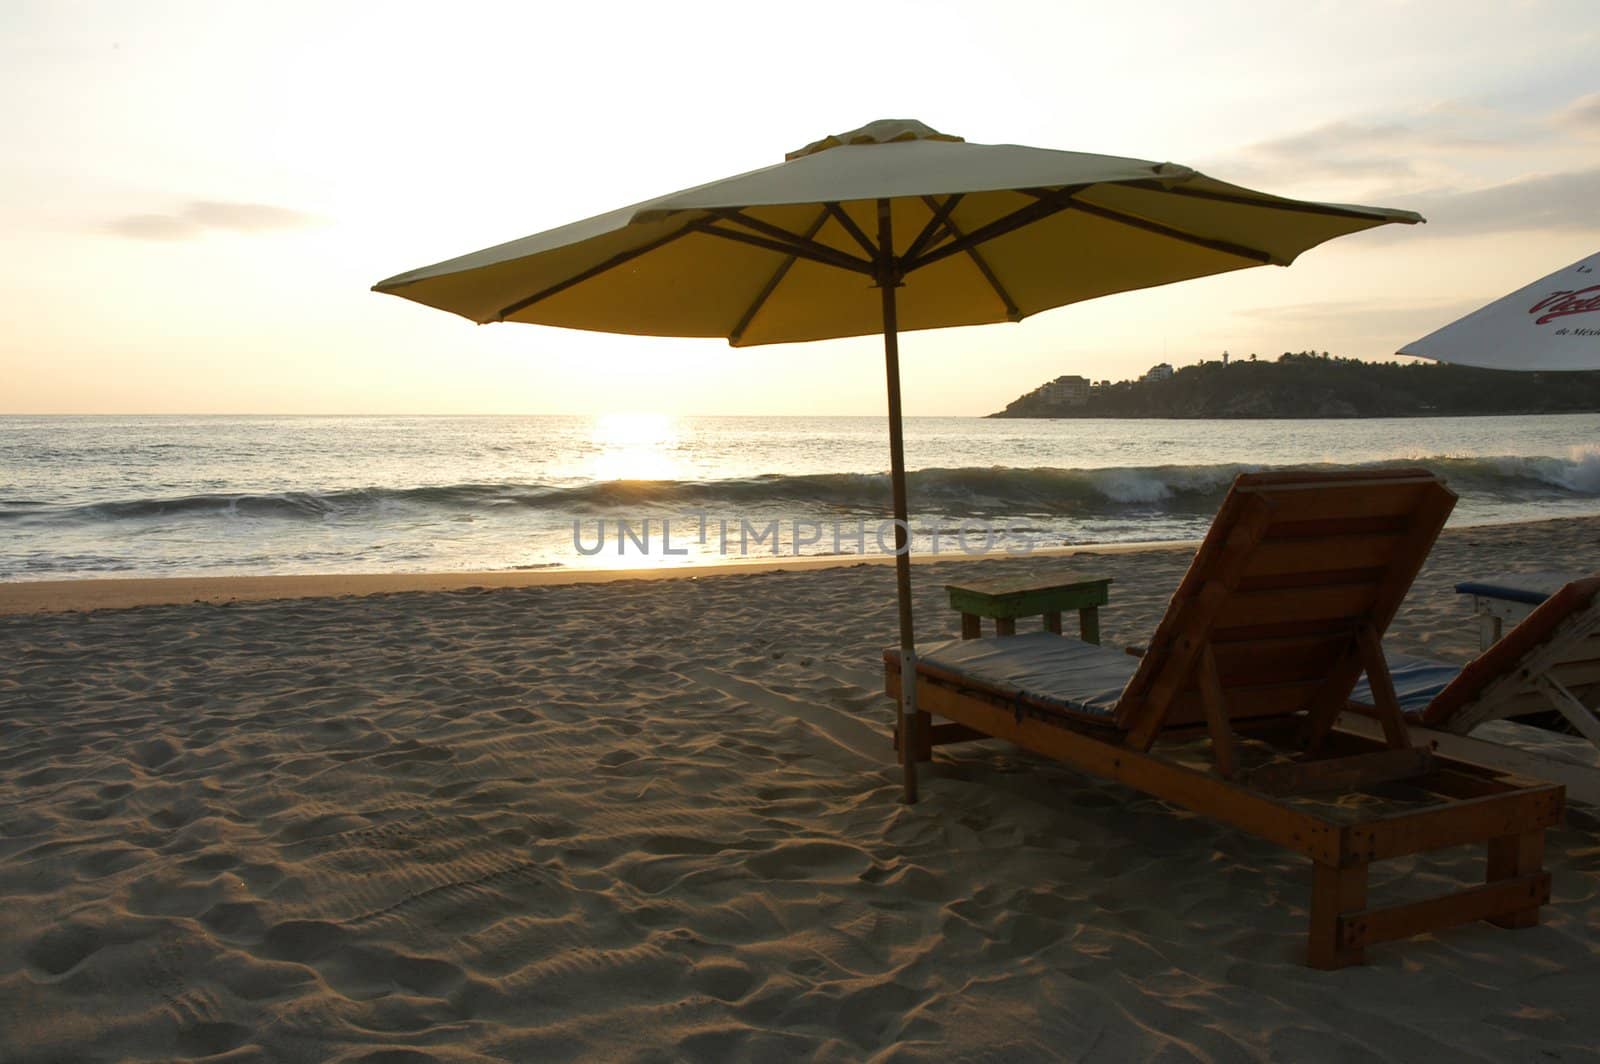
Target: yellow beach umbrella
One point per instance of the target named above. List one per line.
(890, 227)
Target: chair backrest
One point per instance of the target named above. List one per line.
(1559, 640)
(1294, 566)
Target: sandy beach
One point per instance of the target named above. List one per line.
(410, 820)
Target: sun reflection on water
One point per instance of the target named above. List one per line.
(636, 446)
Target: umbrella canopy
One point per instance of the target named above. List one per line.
(991, 233)
(888, 227)
(1553, 323)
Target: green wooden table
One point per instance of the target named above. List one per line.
(1005, 601)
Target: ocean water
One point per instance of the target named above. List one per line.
(171, 496)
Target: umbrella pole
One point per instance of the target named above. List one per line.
(910, 720)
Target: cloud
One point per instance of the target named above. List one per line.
(200, 216)
(1361, 319)
(1560, 201)
(1443, 144)
(1389, 150)
(1345, 149)
(1582, 115)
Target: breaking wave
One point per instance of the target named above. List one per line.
(972, 491)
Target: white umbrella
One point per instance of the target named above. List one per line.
(892, 226)
(1553, 323)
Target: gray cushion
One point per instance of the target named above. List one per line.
(1052, 670)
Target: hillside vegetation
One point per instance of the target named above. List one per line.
(1311, 385)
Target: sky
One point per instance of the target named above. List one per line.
(195, 198)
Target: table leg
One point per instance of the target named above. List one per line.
(1488, 630)
(971, 627)
(1089, 624)
(1005, 626)
(1052, 621)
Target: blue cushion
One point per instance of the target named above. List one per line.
(1416, 682)
(1531, 588)
(1081, 678)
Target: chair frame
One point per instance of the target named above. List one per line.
(1558, 669)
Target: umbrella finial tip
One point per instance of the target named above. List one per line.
(883, 131)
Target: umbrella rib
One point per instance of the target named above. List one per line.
(1243, 252)
(612, 263)
(1046, 204)
(772, 284)
(941, 211)
(853, 229)
(1012, 313)
(842, 261)
(783, 240)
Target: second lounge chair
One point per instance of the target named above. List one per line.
(1551, 660)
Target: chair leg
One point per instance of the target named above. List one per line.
(922, 735)
(1217, 720)
(1511, 856)
(1334, 892)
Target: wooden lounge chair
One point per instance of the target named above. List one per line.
(1549, 661)
(1282, 608)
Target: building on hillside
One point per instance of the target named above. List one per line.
(1065, 391)
(1161, 371)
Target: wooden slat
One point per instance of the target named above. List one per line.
(1275, 557)
(1529, 700)
(1216, 712)
(1582, 782)
(993, 599)
(1178, 639)
(1456, 824)
(1282, 660)
(1341, 773)
(1263, 700)
(1293, 828)
(1381, 682)
(1456, 780)
(1368, 926)
(940, 734)
(1393, 524)
(1320, 502)
(1341, 628)
(1432, 507)
(1310, 577)
(1254, 609)
(1295, 478)
(1576, 673)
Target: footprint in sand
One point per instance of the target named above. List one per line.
(801, 860)
(413, 751)
(211, 1039)
(302, 941)
(153, 753)
(725, 980)
(61, 949)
